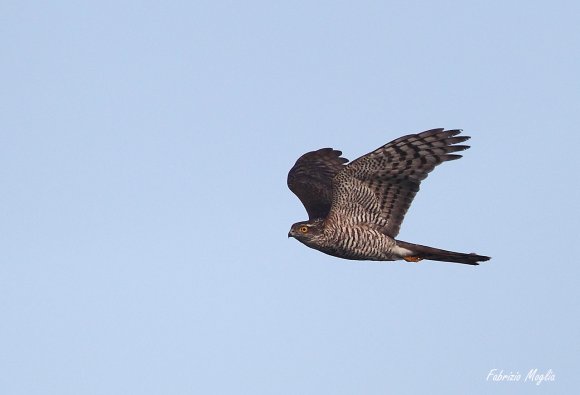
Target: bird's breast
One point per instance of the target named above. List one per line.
(358, 242)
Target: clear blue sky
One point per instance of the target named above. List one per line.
(144, 149)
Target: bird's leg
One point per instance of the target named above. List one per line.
(412, 258)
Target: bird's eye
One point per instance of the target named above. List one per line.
(303, 229)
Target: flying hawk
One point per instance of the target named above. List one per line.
(355, 210)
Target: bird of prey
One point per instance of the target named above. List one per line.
(355, 210)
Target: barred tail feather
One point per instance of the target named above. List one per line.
(436, 254)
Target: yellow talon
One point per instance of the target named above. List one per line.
(412, 258)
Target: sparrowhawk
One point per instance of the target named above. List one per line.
(355, 210)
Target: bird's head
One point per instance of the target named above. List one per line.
(307, 232)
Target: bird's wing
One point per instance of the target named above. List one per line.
(311, 179)
(378, 188)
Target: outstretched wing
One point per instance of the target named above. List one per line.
(311, 179)
(378, 188)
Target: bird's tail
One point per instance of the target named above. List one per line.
(419, 252)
